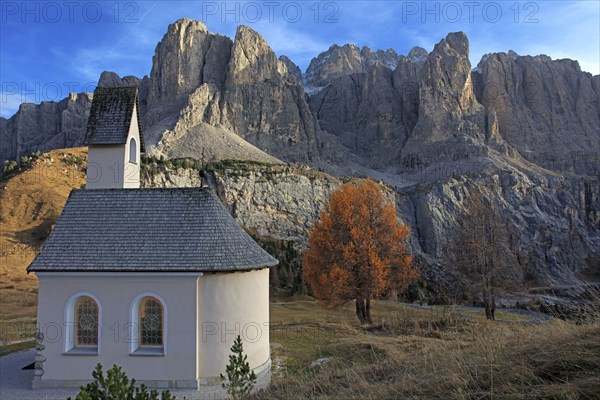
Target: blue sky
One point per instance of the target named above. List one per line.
(49, 48)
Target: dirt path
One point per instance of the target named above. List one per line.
(534, 317)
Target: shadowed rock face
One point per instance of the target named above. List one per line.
(423, 112)
(370, 113)
(338, 61)
(46, 126)
(547, 110)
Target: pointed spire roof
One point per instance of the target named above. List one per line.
(111, 114)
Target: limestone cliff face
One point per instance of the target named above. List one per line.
(264, 104)
(187, 57)
(279, 202)
(549, 110)
(204, 87)
(188, 68)
(338, 61)
(275, 201)
(371, 113)
(451, 123)
(556, 220)
(46, 126)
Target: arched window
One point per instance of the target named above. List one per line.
(132, 151)
(86, 323)
(150, 323)
(83, 319)
(148, 327)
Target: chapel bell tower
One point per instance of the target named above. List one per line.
(115, 139)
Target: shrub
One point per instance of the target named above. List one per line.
(116, 386)
(25, 161)
(9, 166)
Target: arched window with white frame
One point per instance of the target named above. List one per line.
(148, 325)
(132, 151)
(83, 315)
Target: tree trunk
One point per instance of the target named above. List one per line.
(368, 312)
(363, 310)
(493, 308)
(487, 305)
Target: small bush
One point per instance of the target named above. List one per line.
(9, 166)
(25, 160)
(117, 386)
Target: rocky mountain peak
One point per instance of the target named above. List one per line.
(187, 24)
(343, 60)
(263, 103)
(112, 79)
(418, 55)
(292, 68)
(546, 109)
(251, 57)
(451, 122)
(178, 65)
(455, 42)
(446, 75)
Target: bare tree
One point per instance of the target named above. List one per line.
(485, 248)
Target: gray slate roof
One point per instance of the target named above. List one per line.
(160, 230)
(110, 116)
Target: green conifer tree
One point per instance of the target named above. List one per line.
(240, 378)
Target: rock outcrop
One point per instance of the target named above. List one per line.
(292, 68)
(451, 122)
(46, 126)
(338, 61)
(371, 113)
(554, 220)
(204, 89)
(548, 110)
(280, 202)
(276, 201)
(264, 104)
(188, 69)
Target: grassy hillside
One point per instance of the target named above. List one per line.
(31, 200)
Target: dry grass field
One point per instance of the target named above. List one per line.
(415, 354)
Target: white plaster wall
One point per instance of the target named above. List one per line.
(230, 304)
(116, 294)
(109, 166)
(105, 166)
(131, 174)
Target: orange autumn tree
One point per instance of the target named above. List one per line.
(357, 250)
